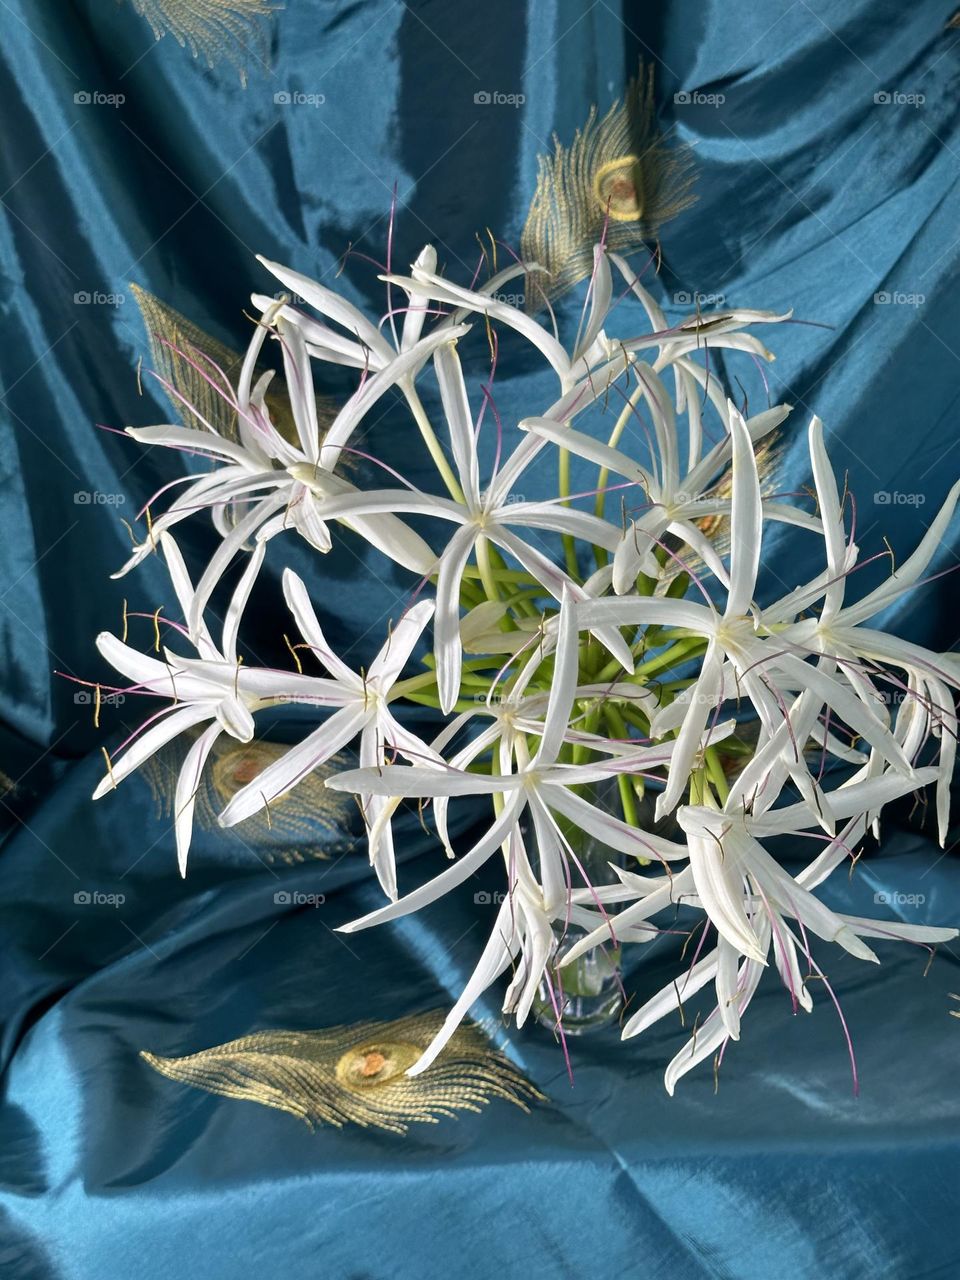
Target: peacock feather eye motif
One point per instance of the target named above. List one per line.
(619, 174)
(769, 454)
(356, 1074)
(231, 30)
(309, 823)
(177, 351)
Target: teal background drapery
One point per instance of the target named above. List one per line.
(812, 195)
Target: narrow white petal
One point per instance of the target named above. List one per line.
(456, 407)
(185, 798)
(497, 955)
(448, 650)
(828, 500)
(298, 602)
(402, 366)
(333, 306)
(295, 765)
(238, 601)
(403, 639)
(454, 875)
(174, 722)
(718, 872)
(746, 520)
(410, 782)
(183, 586)
(563, 685)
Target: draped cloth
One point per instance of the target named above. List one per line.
(826, 142)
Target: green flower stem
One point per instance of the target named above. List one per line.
(486, 570)
(636, 719)
(504, 575)
(603, 475)
(428, 679)
(698, 786)
(681, 651)
(715, 771)
(569, 543)
(470, 594)
(431, 441)
(590, 722)
(433, 701)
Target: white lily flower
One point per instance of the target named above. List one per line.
(481, 517)
(215, 686)
(614, 685)
(266, 471)
(738, 659)
(363, 711)
(673, 502)
(592, 345)
(770, 898)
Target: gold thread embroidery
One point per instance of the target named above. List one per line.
(618, 165)
(310, 823)
(356, 1074)
(177, 351)
(170, 333)
(232, 30)
(769, 455)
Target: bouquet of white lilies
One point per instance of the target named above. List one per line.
(567, 651)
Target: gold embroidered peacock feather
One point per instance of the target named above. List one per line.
(310, 822)
(182, 353)
(355, 1074)
(619, 174)
(214, 30)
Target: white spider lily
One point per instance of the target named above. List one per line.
(737, 659)
(587, 350)
(522, 934)
(481, 517)
(860, 652)
(592, 345)
(539, 785)
(768, 898)
(214, 687)
(362, 702)
(558, 712)
(673, 501)
(265, 470)
(366, 348)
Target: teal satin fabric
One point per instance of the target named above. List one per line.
(812, 196)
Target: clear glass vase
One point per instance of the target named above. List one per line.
(587, 994)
